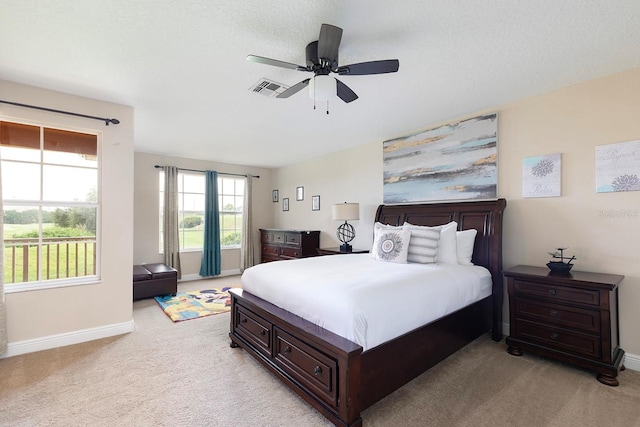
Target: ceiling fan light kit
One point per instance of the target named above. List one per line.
(322, 59)
(322, 88)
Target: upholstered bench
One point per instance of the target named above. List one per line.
(150, 280)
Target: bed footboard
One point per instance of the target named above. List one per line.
(321, 367)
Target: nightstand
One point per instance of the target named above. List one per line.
(571, 317)
(336, 251)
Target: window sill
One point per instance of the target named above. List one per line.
(50, 284)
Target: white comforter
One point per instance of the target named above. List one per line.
(366, 301)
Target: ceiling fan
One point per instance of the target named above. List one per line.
(322, 59)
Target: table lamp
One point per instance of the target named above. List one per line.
(346, 233)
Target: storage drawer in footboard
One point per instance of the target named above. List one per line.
(254, 329)
(309, 367)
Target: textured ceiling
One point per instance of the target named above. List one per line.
(181, 64)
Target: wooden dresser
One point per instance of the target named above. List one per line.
(288, 244)
(572, 318)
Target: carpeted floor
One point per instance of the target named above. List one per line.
(185, 374)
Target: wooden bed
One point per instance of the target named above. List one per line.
(333, 374)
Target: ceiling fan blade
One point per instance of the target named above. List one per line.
(275, 63)
(328, 42)
(294, 89)
(372, 67)
(344, 93)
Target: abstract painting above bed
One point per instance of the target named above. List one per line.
(456, 161)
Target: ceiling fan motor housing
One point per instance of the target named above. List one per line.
(313, 62)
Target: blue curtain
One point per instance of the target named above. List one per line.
(210, 265)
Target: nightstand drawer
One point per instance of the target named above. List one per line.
(558, 315)
(560, 339)
(553, 293)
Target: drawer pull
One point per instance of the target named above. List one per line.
(554, 336)
(243, 320)
(553, 313)
(317, 370)
(262, 333)
(287, 350)
(552, 291)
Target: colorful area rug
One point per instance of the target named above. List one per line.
(191, 305)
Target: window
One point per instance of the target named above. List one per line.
(230, 202)
(191, 197)
(50, 191)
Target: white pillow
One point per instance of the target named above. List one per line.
(379, 225)
(391, 245)
(447, 247)
(464, 241)
(423, 245)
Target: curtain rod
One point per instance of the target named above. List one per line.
(105, 120)
(198, 170)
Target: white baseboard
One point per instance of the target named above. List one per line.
(630, 361)
(190, 277)
(69, 338)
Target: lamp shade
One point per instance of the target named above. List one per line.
(345, 211)
(322, 88)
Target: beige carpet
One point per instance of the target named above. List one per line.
(185, 374)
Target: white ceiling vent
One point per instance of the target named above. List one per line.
(268, 88)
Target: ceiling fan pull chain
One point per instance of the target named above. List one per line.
(327, 106)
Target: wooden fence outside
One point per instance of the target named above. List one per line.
(62, 257)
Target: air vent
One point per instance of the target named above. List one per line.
(268, 88)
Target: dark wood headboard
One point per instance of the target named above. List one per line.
(484, 216)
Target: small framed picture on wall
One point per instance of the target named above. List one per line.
(315, 203)
(285, 204)
(274, 196)
(299, 193)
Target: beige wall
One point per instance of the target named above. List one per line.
(50, 312)
(353, 175)
(146, 212)
(571, 121)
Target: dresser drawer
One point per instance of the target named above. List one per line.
(290, 252)
(559, 339)
(266, 236)
(558, 315)
(254, 329)
(306, 365)
(554, 293)
(270, 251)
(292, 239)
(288, 244)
